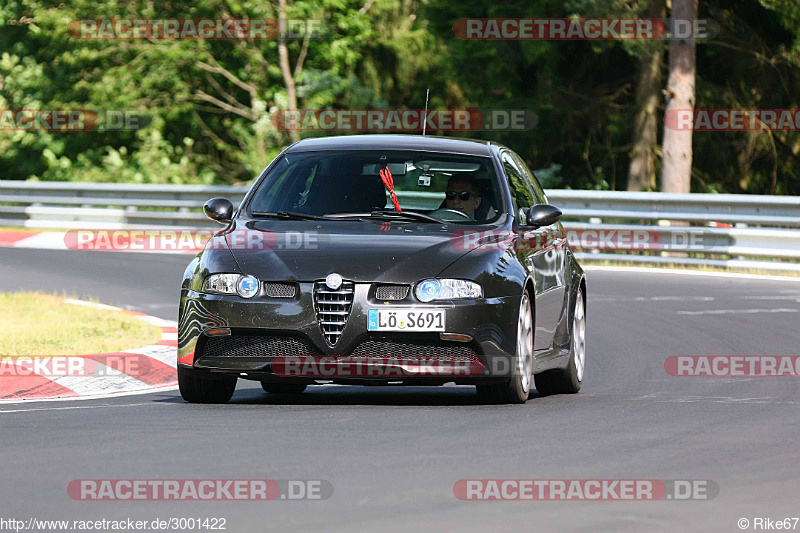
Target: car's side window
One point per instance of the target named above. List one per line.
(538, 192)
(523, 197)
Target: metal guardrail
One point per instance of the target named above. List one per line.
(729, 208)
(773, 244)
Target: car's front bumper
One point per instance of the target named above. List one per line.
(264, 328)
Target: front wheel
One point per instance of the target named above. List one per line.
(516, 389)
(197, 386)
(569, 380)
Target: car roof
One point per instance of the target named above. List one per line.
(426, 143)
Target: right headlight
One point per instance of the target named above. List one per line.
(243, 285)
(447, 289)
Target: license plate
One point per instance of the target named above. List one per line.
(405, 320)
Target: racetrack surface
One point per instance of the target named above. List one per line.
(394, 454)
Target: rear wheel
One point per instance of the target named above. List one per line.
(569, 380)
(516, 390)
(283, 388)
(199, 386)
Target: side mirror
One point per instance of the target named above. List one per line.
(542, 215)
(219, 209)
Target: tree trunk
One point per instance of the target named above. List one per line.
(283, 60)
(642, 168)
(677, 148)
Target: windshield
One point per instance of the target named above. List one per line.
(450, 188)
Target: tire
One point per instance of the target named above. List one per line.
(283, 388)
(569, 380)
(198, 386)
(517, 389)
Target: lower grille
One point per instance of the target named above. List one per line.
(279, 290)
(332, 307)
(391, 292)
(261, 346)
(414, 347)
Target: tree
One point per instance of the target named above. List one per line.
(677, 148)
(642, 168)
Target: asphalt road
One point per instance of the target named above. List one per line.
(393, 455)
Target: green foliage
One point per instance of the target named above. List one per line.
(209, 103)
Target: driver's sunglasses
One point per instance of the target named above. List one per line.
(462, 195)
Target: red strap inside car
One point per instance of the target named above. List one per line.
(388, 181)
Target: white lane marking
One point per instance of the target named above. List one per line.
(712, 399)
(691, 273)
(796, 298)
(737, 311)
(104, 396)
(653, 299)
(96, 305)
(151, 306)
(110, 380)
(169, 336)
(160, 322)
(719, 399)
(46, 240)
(104, 406)
(166, 354)
(152, 320)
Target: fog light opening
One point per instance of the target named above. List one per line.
(457, 337)
(217, 332)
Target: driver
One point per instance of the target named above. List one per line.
(463, 195)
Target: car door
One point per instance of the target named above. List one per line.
(557, 236)
(540, 249)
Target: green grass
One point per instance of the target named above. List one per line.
(43, 325)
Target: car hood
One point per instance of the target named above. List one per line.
(367, 251)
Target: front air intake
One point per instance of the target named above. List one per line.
(332, 307)
(280, 290)
(391, 292)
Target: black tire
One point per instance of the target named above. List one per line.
(283, 388)
(564, 381)
(512, 390)
(199, 386)
(500, 393)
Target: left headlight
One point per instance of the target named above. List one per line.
(244, 286)
(447, 289)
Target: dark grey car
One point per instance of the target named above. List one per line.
(386, 259)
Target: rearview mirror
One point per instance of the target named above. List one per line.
(542, 215)
(219, 209)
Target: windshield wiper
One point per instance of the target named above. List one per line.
(286, 215)
(408, 215)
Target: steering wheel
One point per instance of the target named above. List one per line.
(446, 211)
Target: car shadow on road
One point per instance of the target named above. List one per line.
(359, 395)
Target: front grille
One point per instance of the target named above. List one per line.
(332, 307)
(391, 292)
(257, 346)
(280, 290)
(414, 347)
